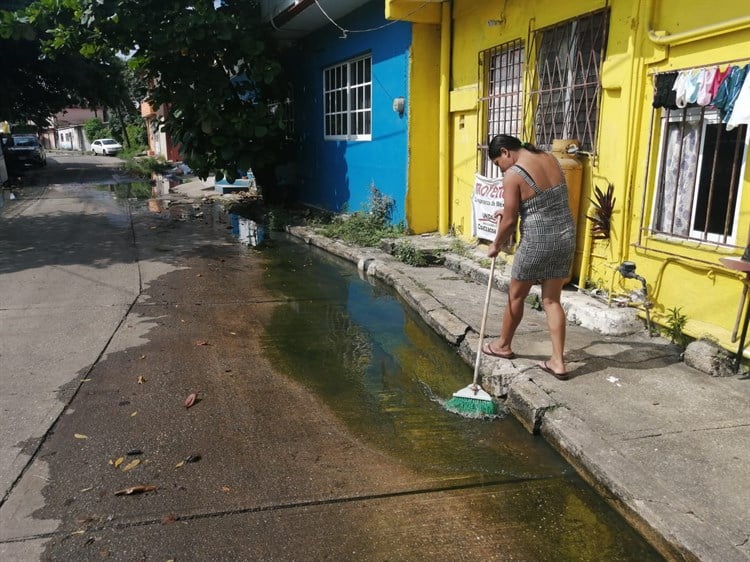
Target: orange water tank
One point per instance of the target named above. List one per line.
(565, 152)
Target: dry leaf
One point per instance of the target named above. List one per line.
(143, 356)
(226, 489)
(118, 462)
(168, 519)
(190, 400)
(134, 414)
(141, 380)
(131, 465)
(135, 490)
(180, 464)
(80, 436)
(201, 342)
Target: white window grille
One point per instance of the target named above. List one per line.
(698, 176)
(347, 94)
(501, 76)
(564, 80)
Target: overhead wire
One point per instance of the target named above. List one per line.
(344, 31)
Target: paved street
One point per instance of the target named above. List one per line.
(112, 318)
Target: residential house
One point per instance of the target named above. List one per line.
(159, 142)
(66, 128)
(355, 76)
(587, 74)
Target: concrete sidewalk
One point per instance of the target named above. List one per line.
(668, 445)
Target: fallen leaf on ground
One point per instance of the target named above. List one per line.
(134, 414)
(118, 462)
(190, 400)
(142, 489)
(131, 465)
(180, 464)
(141, 380)
(80, 436)
(168, 519)
(226, 489)
(201, 342)
(143, 356)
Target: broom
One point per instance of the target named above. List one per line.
(473, 401)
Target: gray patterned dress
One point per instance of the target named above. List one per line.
(548, 233)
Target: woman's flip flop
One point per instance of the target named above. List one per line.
(488, 351)
(559, 376)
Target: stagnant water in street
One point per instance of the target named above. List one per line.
(384, 372)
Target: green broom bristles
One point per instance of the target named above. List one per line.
(471, 407)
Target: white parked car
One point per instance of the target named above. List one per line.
(106, 147)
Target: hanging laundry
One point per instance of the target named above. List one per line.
(741, 110)
(706, 81)
(680, 88)
(664, 95)
(719, 77)
(729, 90)
(692, 85)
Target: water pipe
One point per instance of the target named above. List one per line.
(627, 270)
(444, 119)
(704, 32)
(588, 242)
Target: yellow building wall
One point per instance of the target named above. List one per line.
(422, 190)
(684, 275)
(478, 26)
(692, 280)
(680, 275)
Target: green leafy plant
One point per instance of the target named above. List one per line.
(409, 254)
(675, 324)
(380, 206)
(368, 227)
(459, 248)
(604, 205)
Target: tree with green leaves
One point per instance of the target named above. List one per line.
(211, 62)
(38, 82)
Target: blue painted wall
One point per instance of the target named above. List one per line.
(337, 175)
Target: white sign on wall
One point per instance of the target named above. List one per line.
(486, 198)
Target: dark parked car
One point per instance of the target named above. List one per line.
(22, 150)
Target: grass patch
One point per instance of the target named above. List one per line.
(409, 254)
(360, 229)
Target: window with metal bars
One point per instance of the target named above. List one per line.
(564, 81)
(347, 94)
(501, 76)
(699, 176)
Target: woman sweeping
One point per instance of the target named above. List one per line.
(535, 191)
